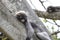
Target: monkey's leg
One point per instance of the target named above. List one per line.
(43, 35)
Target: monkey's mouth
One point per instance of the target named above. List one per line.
(22, 20)
(50, 10)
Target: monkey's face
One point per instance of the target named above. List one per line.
(50, 9)
(21, 17)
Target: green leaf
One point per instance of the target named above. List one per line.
(54, 37)
(45, 20)
(52, 28)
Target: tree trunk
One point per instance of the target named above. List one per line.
(11, 26)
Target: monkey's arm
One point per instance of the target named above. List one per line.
(29, 29)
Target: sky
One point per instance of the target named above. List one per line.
(35, 4)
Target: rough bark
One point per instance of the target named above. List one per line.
(10, 25)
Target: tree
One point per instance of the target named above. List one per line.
(11, 26)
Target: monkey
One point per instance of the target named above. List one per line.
(23, 19)
(31, 28)
(52, 9)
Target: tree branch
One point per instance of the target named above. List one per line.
(55, 15)
(55, 33)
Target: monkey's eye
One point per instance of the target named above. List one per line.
(49, 8)
(20, 17)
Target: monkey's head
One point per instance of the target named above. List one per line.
(51, 9)
(21, 16)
